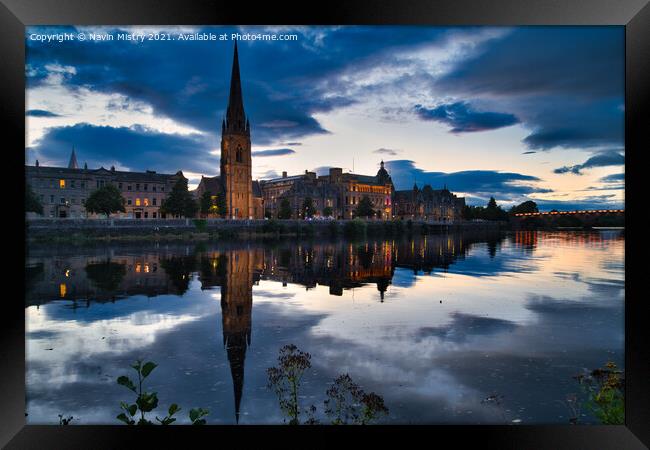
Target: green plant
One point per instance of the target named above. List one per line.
(285, 379)
(347, 403)
(196, 415)
(148, 401)
(605, 389)
(105, 200)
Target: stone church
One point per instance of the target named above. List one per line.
(243, 198)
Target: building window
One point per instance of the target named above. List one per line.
(62, 200)
(154, 201)
(72, 184)
(162, 188)
(146, 203)
(137, 186)
(128, 187)
(153, 215)
(146, 214)
(146, 186)
(137, 202)
(119, 185)
(83, 185)
(128, 202)
(153, 188)
(62, 184)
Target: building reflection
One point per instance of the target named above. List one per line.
(235, 269)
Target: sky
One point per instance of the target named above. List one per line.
(518, 113)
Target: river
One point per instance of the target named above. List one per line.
(449, 329)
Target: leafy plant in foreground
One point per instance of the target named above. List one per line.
(285, 379)
(347, 403)
(148, 401)
(606, 393)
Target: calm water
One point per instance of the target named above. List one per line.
(434, 325)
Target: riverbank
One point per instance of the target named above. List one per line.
(71, 231)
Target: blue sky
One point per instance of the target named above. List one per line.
(517, 113)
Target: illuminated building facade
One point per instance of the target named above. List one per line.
(428, 204)
(63, 190)
(341, 192)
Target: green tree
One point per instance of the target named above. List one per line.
(32, 202)
(525, 207)
(221, 205)
(105, 200)
(328, 211)
(208, 204)
(308, 208)
(285, 209)
(180, 201)
(364, 208)
(494, 211)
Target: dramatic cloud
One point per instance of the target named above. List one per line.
(134, 148)
(611, 158)
(480, 183)
(273, 152)
(386, 151)
(280, 99)
(565, 84)
(40, 113)
(463, 118)
(613, 178)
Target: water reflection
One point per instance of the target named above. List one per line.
(95, 276)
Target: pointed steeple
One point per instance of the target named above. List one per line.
(236, 350)
(235, 117)
(73, 160)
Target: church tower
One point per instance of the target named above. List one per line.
(236, 173)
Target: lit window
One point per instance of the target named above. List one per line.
(146, 202)
(137, 202)
(62, 290)
(62, 184)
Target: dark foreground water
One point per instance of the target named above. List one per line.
(435, 325)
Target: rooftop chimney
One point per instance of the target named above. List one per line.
(284, 174)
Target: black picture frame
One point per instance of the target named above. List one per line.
(633, 14)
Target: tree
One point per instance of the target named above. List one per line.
(180, 201)
(205, 203)
(364, 208)
(525, 207)
(221, 205)
(208, 204)
(308, 208)
(105, 200)
(285, 209)
(327, 211)
(32, 202)
(494, 212)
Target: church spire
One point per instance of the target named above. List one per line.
(235, 116)
(73, 160)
